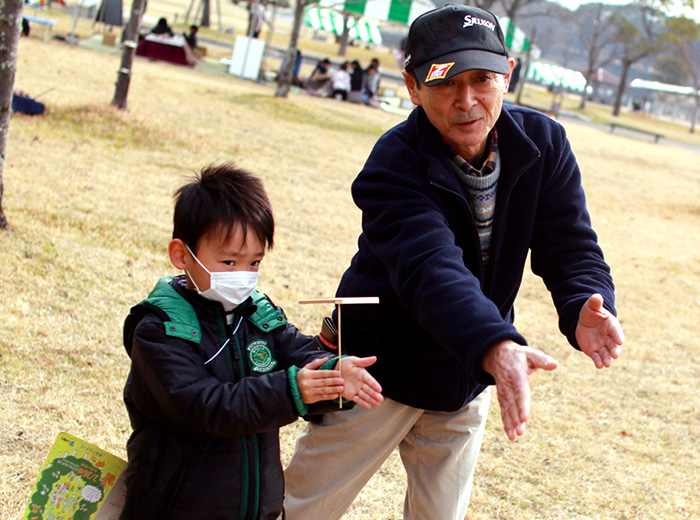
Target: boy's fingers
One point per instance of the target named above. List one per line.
(313, 365)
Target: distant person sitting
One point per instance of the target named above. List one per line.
(320, 78)
(341, 82)
(357, 82)
(162, 28)
(375, 63)
(370, 94)
(191, 37)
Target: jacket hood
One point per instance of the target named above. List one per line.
(166, 302)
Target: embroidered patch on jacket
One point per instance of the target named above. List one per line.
(260, 356)
(438, 71)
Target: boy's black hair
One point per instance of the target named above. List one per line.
(218, 199)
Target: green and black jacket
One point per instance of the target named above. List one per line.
(205, 418)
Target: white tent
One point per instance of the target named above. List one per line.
(662, 87)
(556, 76)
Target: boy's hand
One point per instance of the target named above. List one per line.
(318, 385)
(360, 386)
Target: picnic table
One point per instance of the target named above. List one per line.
(166, 48)
(614, 124)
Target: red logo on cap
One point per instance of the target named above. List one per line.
(438, 71)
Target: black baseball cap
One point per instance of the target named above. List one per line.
(447, 41)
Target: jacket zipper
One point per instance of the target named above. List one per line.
(249, 486)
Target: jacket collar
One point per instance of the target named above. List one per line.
(517, 151)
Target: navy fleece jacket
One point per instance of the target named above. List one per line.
(419, 251)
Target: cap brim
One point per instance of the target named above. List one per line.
(445, 67)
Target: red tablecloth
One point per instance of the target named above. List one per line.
(149, 48)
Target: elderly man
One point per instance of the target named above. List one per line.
(452, 201)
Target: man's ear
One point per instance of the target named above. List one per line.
(178, 253)
(412, 87)
(511, 61)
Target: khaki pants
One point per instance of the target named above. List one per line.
(334, 460)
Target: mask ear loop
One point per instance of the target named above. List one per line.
(192, 278)
(225, 342)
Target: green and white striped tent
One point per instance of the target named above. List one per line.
(400, 11)
(332, 21)
(366, 13)
(516, 40)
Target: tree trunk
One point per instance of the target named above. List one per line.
(206, 13)
(695, 114)
(131, 38)
(284, 78)
(345, 36)
(10, 24)
(626, 64)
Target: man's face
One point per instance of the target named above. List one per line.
(464, 108)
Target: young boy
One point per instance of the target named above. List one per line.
(216, 368)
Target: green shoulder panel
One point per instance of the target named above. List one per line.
(183, 321)
(266, 317)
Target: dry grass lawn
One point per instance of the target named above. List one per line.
(88, 195)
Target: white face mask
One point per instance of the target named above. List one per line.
(230, 288)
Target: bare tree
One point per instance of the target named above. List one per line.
(512, 8)
(10, 24)
(483, 4)
(597, 36)
(284, 78)
(682, 39)
(131, 36)
(633, 42)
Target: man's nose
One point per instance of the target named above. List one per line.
(466, 96)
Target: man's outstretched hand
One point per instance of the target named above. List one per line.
(599, 333)
(510, 364)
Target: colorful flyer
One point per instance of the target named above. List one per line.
(75, 482)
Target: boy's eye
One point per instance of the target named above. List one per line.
(229, 263)
(255, 263)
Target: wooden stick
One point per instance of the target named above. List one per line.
(343, 300)
(340, 356)
(338, 301)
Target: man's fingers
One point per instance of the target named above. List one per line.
(514, 400)
(365, 361)
(537, 359)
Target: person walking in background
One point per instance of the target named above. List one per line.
(256, 18)
(453, 201)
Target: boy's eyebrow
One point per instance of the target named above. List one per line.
(238, 252)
